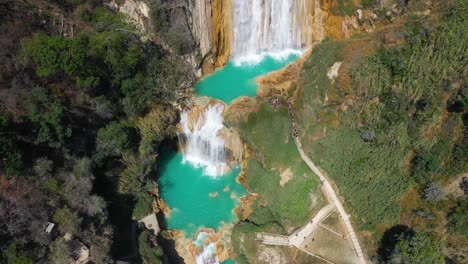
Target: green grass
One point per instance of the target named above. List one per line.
(397, 105)
(268, 133)
(289, 205)
(370, 176)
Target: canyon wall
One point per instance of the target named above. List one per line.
(213, 25)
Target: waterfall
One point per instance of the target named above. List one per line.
(274, 27)
(201, 142)
(208, 254)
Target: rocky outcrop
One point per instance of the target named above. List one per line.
(279, 83)
(137, 13)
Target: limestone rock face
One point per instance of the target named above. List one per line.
(137, 13)
(222, 30)
(201, 25)
(234, 144)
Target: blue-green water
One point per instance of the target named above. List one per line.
(233, 80)
(186, 190)
(228, 261)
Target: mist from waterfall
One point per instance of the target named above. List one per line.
(201, 142)
(269, 27)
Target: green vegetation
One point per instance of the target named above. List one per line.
(12, 157)
(393, 104)
(420, 248)
(344, 8)
(113, 139)
(47, 115)
(67, 220)
(290, 204)
(168, 19)
(59, 251)
(458, 219)
(150, 252)
(12, 256)
(84, 108)
(282, 203)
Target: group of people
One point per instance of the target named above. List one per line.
(291, 115)
(274, 101)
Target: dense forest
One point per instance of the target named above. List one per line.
(84, 106)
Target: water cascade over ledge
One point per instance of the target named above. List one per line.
(274, 27)
(200, 140)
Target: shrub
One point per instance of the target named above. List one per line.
(434, 193)
(458, 219)
(142, 206)
(43, 166)
(420, 248)
(159, 17)
(149, 250)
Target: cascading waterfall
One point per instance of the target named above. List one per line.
(274, 27)
(277, 28)
(208, 253)
(201, 142)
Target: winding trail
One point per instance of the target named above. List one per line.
(327, 189)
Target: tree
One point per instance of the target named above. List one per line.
(137, 168)
(434, 193)
(83, 168)
(55, 54)
(59, 251)
(43, 166)
(458, 219)
(421, 248)
(113, 139)
(149, 250)
(47, 115)
(154, 127)
(12, 256)
(137, 95)
(11, 159)
(68, 221)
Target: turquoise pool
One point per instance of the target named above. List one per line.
(197, 200)
(235, 80)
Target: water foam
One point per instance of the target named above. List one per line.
(201, 142)
(269, 27)
(208, 255)
(255, 59)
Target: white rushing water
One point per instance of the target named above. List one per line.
(208, 255)
(201, 142)
(269, 27)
